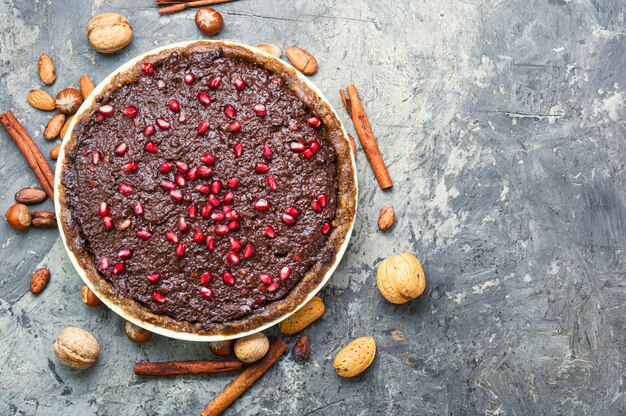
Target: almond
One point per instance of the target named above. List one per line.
(47, 73)
(86, 86)
(54, 127)
(68, 121)
(68, 101)
(54, 152)
(270, 48)
(386, 218)
(302, 60)
(355, 357)
(29, 196)
(43, 219)
(40, 280)
(303, 317)
(41, 100)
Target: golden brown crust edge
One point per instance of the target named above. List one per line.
(346, 202)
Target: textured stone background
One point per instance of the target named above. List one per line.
(503, 126)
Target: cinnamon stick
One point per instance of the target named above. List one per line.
(245, 380)
(187, 5)
(30, 151)
(366, 136)
(177, 368)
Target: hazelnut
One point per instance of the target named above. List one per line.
(252, 348)
(222, 348)
(18, 216)
(76, 348)
(109, 32)
(209, 21)
(400, 278)
(68, 101)
(89, 298)
(136, 333)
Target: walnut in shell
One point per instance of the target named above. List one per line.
(76, 348)
(400, 278)
(109, 32)
(252, 348)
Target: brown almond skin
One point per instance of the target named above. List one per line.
(53, 129)
(40, 280)
(301, 351)
(86, 86)
(18, 216)
(89, 298)
(222, 348)
(29, 196)
(386, 218)
(302, 60)
(54, 152)
(43, 219)
(66, 126)
(47, 73)
(41, 100)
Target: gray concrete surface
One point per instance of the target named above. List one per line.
(503, 126)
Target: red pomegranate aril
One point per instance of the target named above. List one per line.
(131, 111)
(158, 297)
(149, 131)
(284, 273)
(228, 197)
(180, 181)
(234, 126)
(262, 168)
(308, 153)
(130, 167)
(172, 236)
(174, 105)
(288, 219)
(221, 229)
(314, 122)
(138, 208)
(204, 98)
(124, 224)
(162, 123)
(168, 186)
(262, 205)
(207, 293)
(322, 199)
(204, 172)
(297, 147)
(96, 157)
(269, 232)
(232, 215)
(232, 183)
(106, 110)
(180, 249)
(317, 207)
(267, 151)
(248, 251)
(208, 159)
(121, 149)
(182, 224)
(143, 234)
(326, 227)
(216, 186)
(239, 83)
(274, 286)
(189, 78)
(293, 211)
(119, 267)
(205, 211)
(125, 188)
(217, 216)
(103, 209)
(176, 195)
(125, 253)
(210, 242)
(214, 83)
(108, 222)
(165, 167)
(233, 225)
(192, 173)
(192, 210)
(198, 237)
(203, 127)
(150, 147)
(205, 278)
(314, 145)
(228, 278)
(235, 244)
(238, 149)
(104, 264)
(271, 183)
(154, 277)
(203, 189)
(226, 209)
(182, 167)
(214, 201)
(260, 110)
(232, 257)
(147, 68)
(230, 111)
(265, 278)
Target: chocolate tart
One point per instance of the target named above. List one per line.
(206, 190)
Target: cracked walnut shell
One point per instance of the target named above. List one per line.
(400, 278)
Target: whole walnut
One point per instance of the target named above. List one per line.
(76, 348)
(400, 278)
(252, 348)
(109, 32)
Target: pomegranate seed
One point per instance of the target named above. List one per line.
(221, 229)
(130, 167)
(239, 83)
(262, 205)
(262, 168)
(271, 182)
(204, 171)
(180, 249)
(231, 215)
(230, 111)
(314, 122)
(233, 225)
(193, 172)
(226, 209)
(124, 224)
(314, 145)
(106, 110)
(322, 199)
(165, 167)
(104, 264)
(308, 153)
(192, 210)
(108, 222)
(162, 123)
(138, 208)
(317, 207)
(176, 195)
(293, 211)
(228, 278)
(103, 209)
(131, 111)
(198, 237)
(284, 273)
(205, 278)
(260, 110)
(149, 131)
(232, 183)
(203, 127)
(182, 167)
(296, 147)
(168, 186)
(150, 147)
(248, 251)
(326, 227)
(119, 267)
(143, 234)
(210, 242)
(99, 118)
(228, 197)
(232, 257)
(203, 189)
(154, 277)
(147, 68)
(213, 200)
(208, 159)
(174, 105)
(217, 216)
(265, 278)
(274, 286)
(125, 253)
(235, 244)
(238, 149)
(267, 151)
(182, 224)
(206, 293)
(269, 232)
(215, 83)
(96, 157)
(158, 297)
(216, 186)
(288, 219)
(180, 180)
(120, 149)
(189, 78)
(125, 188)
(296, 257)
(205, 212)
(171, 236)
(234, 126)
(204, 98)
